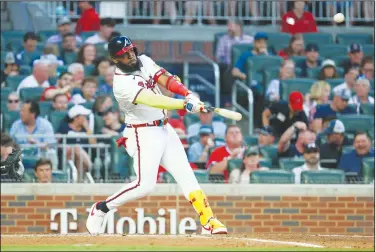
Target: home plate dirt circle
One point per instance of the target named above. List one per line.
(265, 240)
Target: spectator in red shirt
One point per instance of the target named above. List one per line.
(64, 86)
(295, 48)
(298, 20)
(234, 148)
(89, 20)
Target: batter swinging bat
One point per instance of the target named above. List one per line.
(226, 113)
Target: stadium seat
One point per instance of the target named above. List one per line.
(25, 70)
(369, 50)
(85, 35)
(101, 50)
(168, 178)
(328, 51)
(53, 80)
(367, 109)
(340, 60)
(270, 152)
(8, 119)
(69, 58)
(56, 118)
(62, 69)
(13, 81)
(319, 38)
(354, 123)
(278, 38)
(29, 161)
(218, 118)
(360, 38)
(202, 176)
(5, 91)
(278, 47)
(44, 35)
(45, 108)
(322, 177)
(193, 139)
(287, 164)
(89, 70)
(272, 177)
(98, 124)
(368, 170)
(251, 140)
(237, 50)
(297, 58)
(335, 82)
(314, 73)
(29, 176)
(190, 119)
(234, 163)
(59, 176)
(10, 36)
(88, 105)
(301, 84)
(260, 62)
(4, 108)
(329, 163)
(32, 94)
(265, 162)
(217, 37)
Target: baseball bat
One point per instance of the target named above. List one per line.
(225, 113)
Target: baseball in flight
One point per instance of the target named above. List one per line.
(339, 18)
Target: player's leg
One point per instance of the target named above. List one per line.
(146, 146)
(175, 161)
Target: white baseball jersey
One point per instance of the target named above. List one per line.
(127, 86)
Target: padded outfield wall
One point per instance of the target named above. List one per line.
(318, 209)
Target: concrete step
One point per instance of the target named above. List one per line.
(4, 15)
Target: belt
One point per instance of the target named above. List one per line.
(152, 124)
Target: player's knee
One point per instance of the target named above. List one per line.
(147, 186)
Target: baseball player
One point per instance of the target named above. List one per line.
(148, 138)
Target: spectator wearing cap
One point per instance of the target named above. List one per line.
(352, 160)
(234, 36)
(206, 118)
(266, 136)
(281, 115)
(312, 161)
(88, 90)
(198, 152)
(63, 28)
(39, 77)
(106, 87)
(105, 30)
(335, 140)
(319, 94)
(29, 51)
(60, 102)
(298, 20)
(64, 86)
(43, 171)
(311, 61)
(78, 73)
(10, 68)
(326, 112)
(362, 88)
(260, 47)
(251, 162)
(350, 79)
(76, 124)
(368, 68)
(13, 103)
(112, 124)
(328, 70)
(295, 48)
(355, 53)
(286, 71)
(89, 19)
(234, 148)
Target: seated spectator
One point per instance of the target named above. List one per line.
(266, 136)
(10, 68)
(233, 148)
(88, 89)
(335, 135)
(113, 125)
(32, 124)
(327, 112)
(29, 51)
(288, 150)
(311, 61)
(76, 124)
(63, 86)
(295, 48)
(39, 77)
(287, 71)
(328, 70)
(105, 30)
(355, 53)
(298, 20)
(89, 19)
(198, 152)
(283, 114)
(350, 79)
(106, 88)
(319, 94)
(206, 118)
(69, 46)
(13, 103)
(352, 161)
(63, 28)
(86, 55)
(234, 36)
(101, 66)
(368, 68)
(362, 88)
(43, 171)
(101, 104)
(60, 102)
(78, 73)
(260, 47)
(312, 161)
(251, 162)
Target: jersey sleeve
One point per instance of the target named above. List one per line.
(152, 67)
(126, 88)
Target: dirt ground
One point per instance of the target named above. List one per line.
(271, 240)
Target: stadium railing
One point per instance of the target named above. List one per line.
(236, 106)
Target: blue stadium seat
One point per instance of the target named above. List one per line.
(29, 161)
(45, 108)
(8, 119)
(31, 94)
(318, 38)
(328, 51)
(369, 50)
(44, 35)
(13, 81)
(354, 123)
(331, 176)
(298, 84)
(261, 62)
(89, 70)
(5, 91)
(335, 82)
(278, 38)
(85, 35)
(56, 118)
(360, 38)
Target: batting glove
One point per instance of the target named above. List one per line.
(193, 106)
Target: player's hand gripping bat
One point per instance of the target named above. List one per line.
(225, 113)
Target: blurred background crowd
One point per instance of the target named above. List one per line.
(311, 96)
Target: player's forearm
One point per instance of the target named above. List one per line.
(148, 98)
(171, 83)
